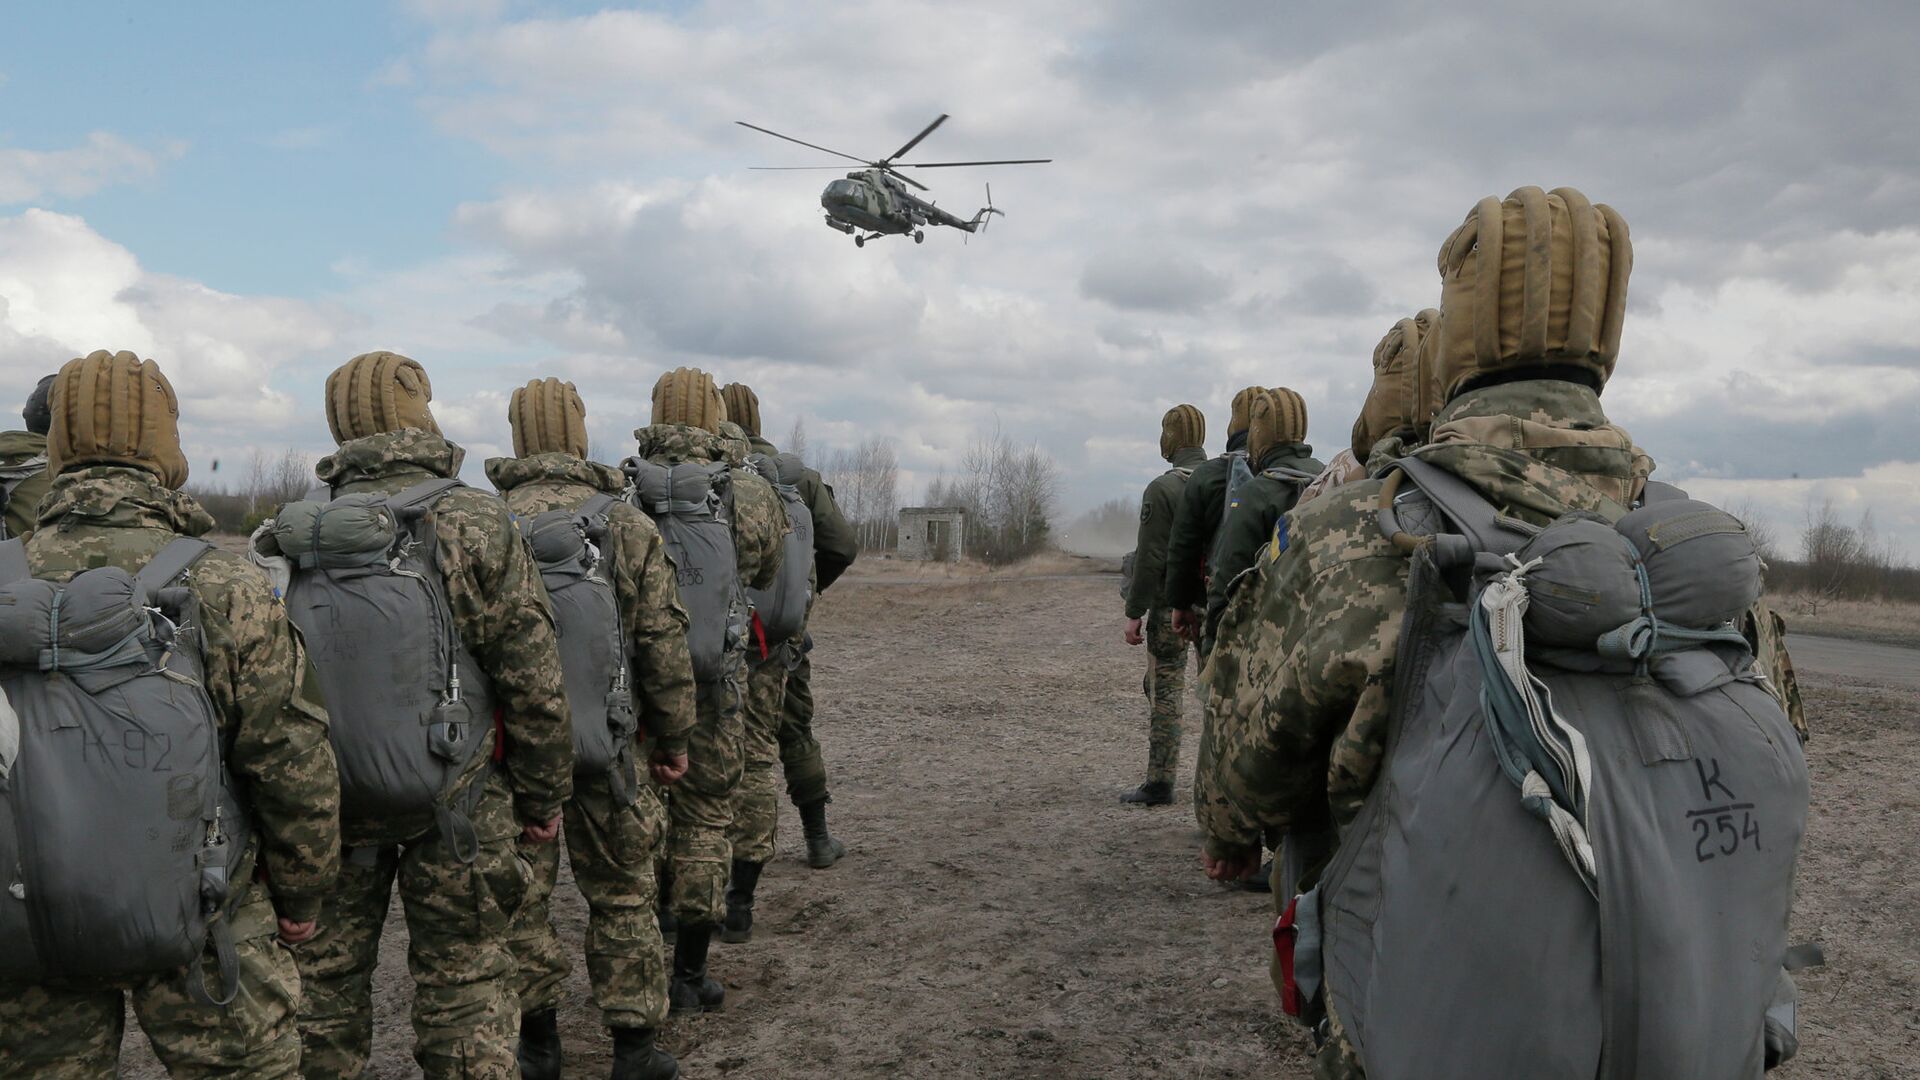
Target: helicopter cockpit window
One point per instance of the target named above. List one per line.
(844, 189)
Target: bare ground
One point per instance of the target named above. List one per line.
(1002, 915)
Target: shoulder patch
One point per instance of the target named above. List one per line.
(1146, 511)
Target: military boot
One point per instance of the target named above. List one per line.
(822, 849)
(738, 928)
(1151, 793)
(691, 990)
(540, 1045)
(635, 1057)
(663, 912)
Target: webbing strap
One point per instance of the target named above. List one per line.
(596, 504)
(1469, 511)
(424, 493)
(170, 563)
(227, 956)
(13, 562)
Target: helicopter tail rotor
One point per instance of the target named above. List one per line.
(986, 213)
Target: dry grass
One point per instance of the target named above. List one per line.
(1892, 622)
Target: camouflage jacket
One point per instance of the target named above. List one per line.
(759, 521)
(1301, 685)
(1195, 523)
(834, 545)
(275, 738)
(1250, 521)
(499, 609)
(1344, 469)
(643, 580)
(1158, 505)
(23, 448)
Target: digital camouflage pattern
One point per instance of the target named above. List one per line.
(1166, 688)
(18, 449)
(276, 746)
(756, 805)
(1249, 523)
(465, 1014)
(1344, 469)
(1159, 505)
(1195, 521)
(612, 848)
(701, 805)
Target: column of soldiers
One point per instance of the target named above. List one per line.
(415, 685)
(1324, 612)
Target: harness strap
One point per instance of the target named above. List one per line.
(226, 957)
(1469, 511)
(425, 493)
(172, 561)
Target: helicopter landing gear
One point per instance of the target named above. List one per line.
(919, 237)
(859, 241)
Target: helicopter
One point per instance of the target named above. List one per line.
(873, 202)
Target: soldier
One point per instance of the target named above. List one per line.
(1399, 404)
(1283, 465)
(453, 852)
(1301, 724)
(682, 443)
(834, 548)
(615, 826)
(24, 477)
(1196, 522)
(1183, 434)
(115, 502)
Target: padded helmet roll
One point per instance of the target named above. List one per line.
(116, 409)
(743, 406)
(548, 417)
(1399, 398)
(1241, 412)
(687, 396)
(1183, 426)
(378, 392)
(1276, 416)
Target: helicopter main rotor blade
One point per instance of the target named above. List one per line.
(802, 142)
(958, 164)
(915, 141)
(903, 178)
(793, 168)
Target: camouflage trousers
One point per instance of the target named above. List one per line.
(1336, 1059)
(756, 805)
(1166, 687)
(465, 1015)
(60, 1034)
(700, 808)
(612, 851)
(800, 756)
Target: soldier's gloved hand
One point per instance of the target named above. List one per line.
(1133, 635)
(297, 933)
(1186, 624)
(667, 769)
(1233, 863)
(542, 834)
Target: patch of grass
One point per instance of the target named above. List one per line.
(1892, 622)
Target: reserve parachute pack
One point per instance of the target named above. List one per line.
(410, 707)
(11, 477)
(570, 549)
(1578, 857)
(692, 503)
(782, 609)
(120, 833)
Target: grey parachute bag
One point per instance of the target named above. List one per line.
(691, 502)
(1239, 471)
(1578, 858)
(11, 477)
(410, 708)
(570, 549)
(120, 833)
(782, 609)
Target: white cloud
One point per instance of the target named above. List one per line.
(103, 159)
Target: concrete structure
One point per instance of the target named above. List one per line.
(932, 533)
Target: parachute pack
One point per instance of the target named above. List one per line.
(569, 549)
(782, 609)
(410, 707)
(110, 745)
(1578, 858)
(691, 502)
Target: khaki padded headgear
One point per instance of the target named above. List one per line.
(1238, 415)
(116, 409)
(548, 417)
(743, 406)
(378, 392)
(1276, 416)
(1403, 395)
(687, 396)
(1537, 280)
(1182, 427)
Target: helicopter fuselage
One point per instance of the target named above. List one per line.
(869, 199)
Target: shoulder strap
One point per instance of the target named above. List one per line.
(596, 504)
(13, 562)
(1287, 473)
(172, 560)
(1468, 510)
(425, 493)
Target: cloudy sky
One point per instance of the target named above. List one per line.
(1243, 191)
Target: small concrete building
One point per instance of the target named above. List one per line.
(932, 533)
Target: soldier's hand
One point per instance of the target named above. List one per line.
(1133, 634)
(1186, 624)
(542, 834)
(297, 933)
(1236, 864)
(667, 769)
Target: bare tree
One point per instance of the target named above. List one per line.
(1009, 492)
(797, 439)
(865, 483)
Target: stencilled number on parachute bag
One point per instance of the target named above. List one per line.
(134, 749)
(1725, 827)
(692, 575)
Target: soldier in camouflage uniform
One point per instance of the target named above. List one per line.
(465, 1016)
(687, 415)
(1183, 432)
(1302, 720)
(1196, 521)
(1276, 440)
(24, 476)
(834, 550)
(115, 502)
(612, 843)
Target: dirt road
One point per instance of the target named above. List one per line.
(1002, 915)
